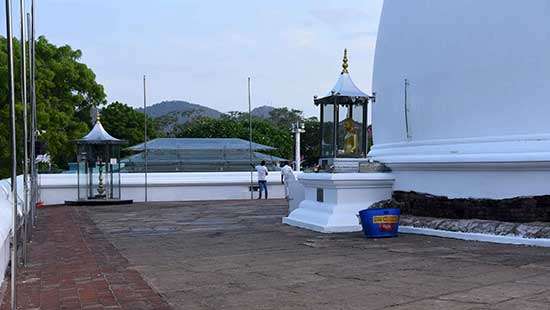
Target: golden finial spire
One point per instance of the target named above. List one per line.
(345, 62)
(98, 116)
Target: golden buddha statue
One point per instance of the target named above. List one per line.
(350, 138)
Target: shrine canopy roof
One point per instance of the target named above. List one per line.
(344, 87)
(98, 135)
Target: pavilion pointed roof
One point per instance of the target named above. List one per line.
(345, 87)
(98, 135)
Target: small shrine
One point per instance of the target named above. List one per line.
(98, 173)
(343, 115)
(335, 195)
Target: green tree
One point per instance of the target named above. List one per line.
(65, 91)
(311, 142)
(124, 122)
(284, 118)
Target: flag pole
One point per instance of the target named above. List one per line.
(145, 133)
(25, 129)
(250, 142)
(11, 98)
(34, 129)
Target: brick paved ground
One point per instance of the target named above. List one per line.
(73, 266)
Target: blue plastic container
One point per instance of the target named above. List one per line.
(380, 223)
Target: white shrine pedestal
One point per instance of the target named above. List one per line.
(333, 200)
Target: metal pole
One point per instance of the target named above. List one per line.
(145, 133)
(11, 90)
(321, 130)
(34, 183)
(32, 154)
(366, 147)
(25, 129)
(34, 118)
(407, 109)
(250, 142)
(297, 149)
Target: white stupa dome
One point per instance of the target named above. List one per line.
(477, 100)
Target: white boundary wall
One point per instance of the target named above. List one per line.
(5, 229)
(177, 186)
(6, 212)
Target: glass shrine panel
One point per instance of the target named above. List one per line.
(350, 131)
(327, 140)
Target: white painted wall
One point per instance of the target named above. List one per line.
(5, 228)
(6, 224)
(181, 186)
(479, 76)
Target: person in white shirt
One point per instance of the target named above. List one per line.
(287, 176)
(262, 182)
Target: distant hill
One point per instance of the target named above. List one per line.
(168, 114)
(262, 111)
(182, 109)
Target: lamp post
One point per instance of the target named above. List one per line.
(297, 129)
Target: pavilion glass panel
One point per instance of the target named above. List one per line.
(327, 140)
(358, 113)
(343, 114)
(95, 160)
(350, 131)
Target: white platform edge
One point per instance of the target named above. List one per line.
(539, 242)
(321, 229)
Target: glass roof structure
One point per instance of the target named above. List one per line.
(200, 144)
(198, 155)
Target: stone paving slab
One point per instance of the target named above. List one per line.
(238, 255)
(73, 266)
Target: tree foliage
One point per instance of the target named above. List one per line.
(124, 122)
(310, 139)
(284, 118)
(65, 91)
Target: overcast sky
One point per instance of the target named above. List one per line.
(203, 51)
